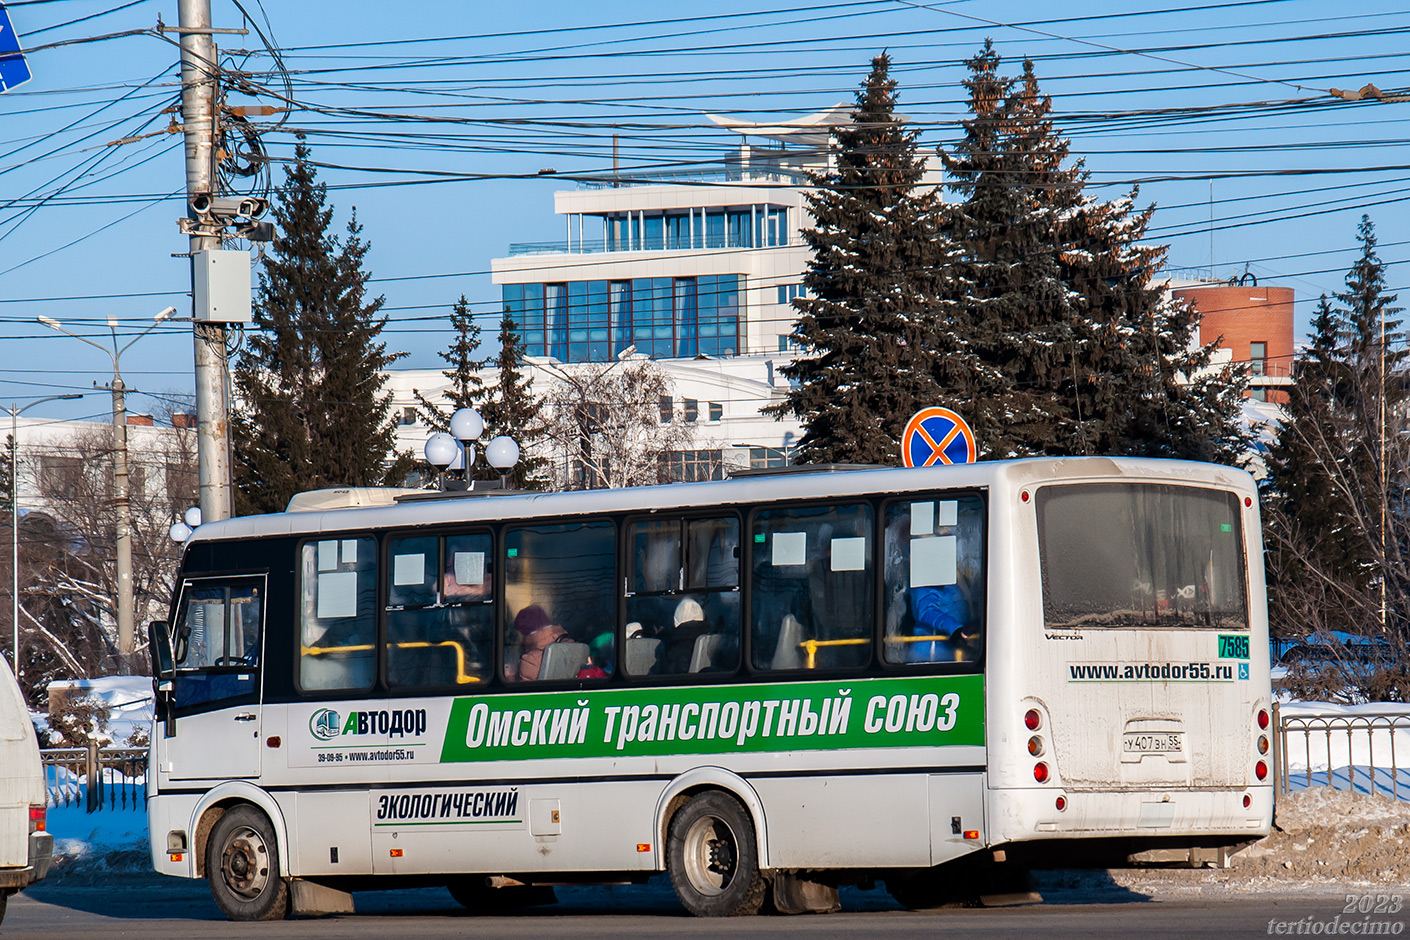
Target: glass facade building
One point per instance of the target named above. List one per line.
(737, 227)
(593, 321)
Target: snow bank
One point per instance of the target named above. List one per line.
(129, 698)
(88, 846)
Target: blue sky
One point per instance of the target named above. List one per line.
(1216, 108)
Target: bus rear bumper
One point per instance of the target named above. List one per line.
(1159, 815)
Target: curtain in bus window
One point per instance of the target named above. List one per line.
(812, 587)
(934, 580)
(337, 614)
(682, 605)
(439, 611)
(1122, 555)
(560, 602)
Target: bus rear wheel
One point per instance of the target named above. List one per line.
(242, 866)
(713, 857)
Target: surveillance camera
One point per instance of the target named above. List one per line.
(229, 207)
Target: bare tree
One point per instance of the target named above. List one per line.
(606, 423)
(1316, 599)
(61, 628)
(69, 567)
(1336, 526)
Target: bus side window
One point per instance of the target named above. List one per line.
(812, 587)
(934, 612)
(337, 614)
(560, 603)
(682, 603)
(439, 611)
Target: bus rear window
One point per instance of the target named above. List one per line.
(1141, 555)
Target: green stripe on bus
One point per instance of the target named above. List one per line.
(727, 719)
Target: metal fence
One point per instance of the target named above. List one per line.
(1369, 753)
(95, 778)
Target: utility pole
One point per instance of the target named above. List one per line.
(122, 503)
(198, 115)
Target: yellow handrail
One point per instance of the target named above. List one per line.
(811, 646)
(461, 677)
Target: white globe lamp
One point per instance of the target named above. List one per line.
(441, 450)
(502, 453)
(467, 425)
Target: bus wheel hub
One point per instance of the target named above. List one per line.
(244, 863)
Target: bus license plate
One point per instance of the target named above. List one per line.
(1136, 743)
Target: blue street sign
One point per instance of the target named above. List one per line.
(14, 70)
(936, 436)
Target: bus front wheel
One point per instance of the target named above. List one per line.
(242, 866)
(713, 857)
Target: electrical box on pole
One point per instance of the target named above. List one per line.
(220, 281)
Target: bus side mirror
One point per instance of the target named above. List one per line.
(159, 646)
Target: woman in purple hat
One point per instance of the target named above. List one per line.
(537, 632)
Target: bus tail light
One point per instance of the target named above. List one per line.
(38, 818)
(1263, 744)
(1260, 770)
(1035, 746)
(1040, 772)
(1248, 801)
(1060, 803)
(1263, 719)
(1032, 719)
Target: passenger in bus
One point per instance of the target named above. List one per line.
(687, 625)
(536, 632)
(937, 611)
(599, 663)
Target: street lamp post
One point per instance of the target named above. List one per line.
(121, 500)
(444, 451)
(15, 412)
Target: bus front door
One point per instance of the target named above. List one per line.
(217, 645)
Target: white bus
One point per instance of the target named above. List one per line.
(934, 678)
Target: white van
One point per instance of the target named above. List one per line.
(26, 850)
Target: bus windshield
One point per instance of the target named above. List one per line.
(1141, 555)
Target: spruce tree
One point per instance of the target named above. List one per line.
(310, 410)
(466, 387)
(1335, 524)
(512, 408)
(1008, 294)
(1325, 489)
(868, 324)
(1079, 353)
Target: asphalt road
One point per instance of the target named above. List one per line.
(159, 909)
